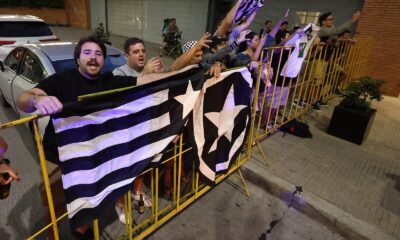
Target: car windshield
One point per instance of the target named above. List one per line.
(112, 62)
(24, 29)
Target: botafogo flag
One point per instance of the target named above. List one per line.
(220, 123)
(105, 142)
(246, 8)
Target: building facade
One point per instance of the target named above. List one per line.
(380, 20)
(144, 19)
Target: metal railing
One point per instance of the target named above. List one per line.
(324, 71)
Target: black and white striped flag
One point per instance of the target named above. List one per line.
(220, 122)
(246, 8)
(105, 142)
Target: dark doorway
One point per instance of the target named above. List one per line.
(217, 9)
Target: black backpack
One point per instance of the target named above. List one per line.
(296, 128)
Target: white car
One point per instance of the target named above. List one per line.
(28, 64)
(18, 29)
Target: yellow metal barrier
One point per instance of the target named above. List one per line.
(317, 80)
(159, 215)
(324, 72)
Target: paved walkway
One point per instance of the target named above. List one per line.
(362, 180)
(226, 213)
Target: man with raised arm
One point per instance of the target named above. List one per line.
(50, 94)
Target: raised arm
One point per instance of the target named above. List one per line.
(158, 76)
(231, 46)
(256, 54)
(292, 38)
(277, 26)
(148, 78)
(247, 23)
(185, 58)
(226, 23)
(330, 32)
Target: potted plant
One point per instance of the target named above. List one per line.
(352, 118)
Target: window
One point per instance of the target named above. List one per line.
(32, 69)
(24, 29)
(14, 59)
(308, 17)
(112, 62)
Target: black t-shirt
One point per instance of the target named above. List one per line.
(262, 31)
(67, 87)
(278, 63)
(280, 35)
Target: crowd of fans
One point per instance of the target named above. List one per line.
(231, 45)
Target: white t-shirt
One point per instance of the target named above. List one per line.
(296, 58)
(125, 70)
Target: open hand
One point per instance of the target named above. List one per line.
(204, 42)
(155, 65)
(242, 36)
(215, 69)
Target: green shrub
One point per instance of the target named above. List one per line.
(359, 94)
(101, 34)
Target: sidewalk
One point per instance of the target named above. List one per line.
(360, 180)
(226, 213)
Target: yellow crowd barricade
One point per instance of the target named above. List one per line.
(182, 195)
(273, 105)
(325, 70)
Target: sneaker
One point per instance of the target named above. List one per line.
(168, 191)
(186, 179)
(88, 235)
(300, 103)
(147, 200)
(120, 213)
(338, 91)
(271, 125)
(316, 107)
(322, 103)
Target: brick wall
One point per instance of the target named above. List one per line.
(78, 13)
(380, 19)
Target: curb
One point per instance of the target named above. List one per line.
(313, 206)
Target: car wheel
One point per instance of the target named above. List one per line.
(5, 103)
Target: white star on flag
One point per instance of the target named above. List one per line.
(188, 99)
(225, 119)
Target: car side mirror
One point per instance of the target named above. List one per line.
(2, 66)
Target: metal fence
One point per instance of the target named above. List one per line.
(325, 71)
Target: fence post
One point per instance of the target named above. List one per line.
(46, 181)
